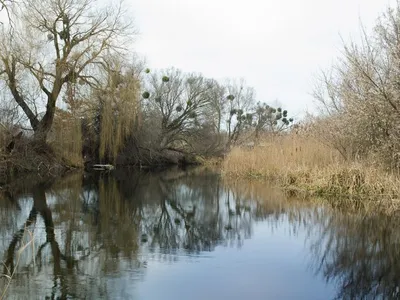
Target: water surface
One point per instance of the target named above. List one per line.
(188, 235)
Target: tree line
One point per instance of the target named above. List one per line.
(69, 78)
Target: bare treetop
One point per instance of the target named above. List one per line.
(75, 34)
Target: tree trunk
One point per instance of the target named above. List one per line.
(43, 129)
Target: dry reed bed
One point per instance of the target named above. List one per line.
(306, 167)
(63, 152)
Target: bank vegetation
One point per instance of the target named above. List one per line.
(350, 151)
(74, 93)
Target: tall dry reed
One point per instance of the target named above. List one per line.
(300, 163)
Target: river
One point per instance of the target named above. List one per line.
(188, 234)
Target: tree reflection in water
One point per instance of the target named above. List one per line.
(359, 254)
(89, 230)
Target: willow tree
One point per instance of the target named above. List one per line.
(113, 110)
(56, 42)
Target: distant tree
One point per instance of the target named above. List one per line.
(240, 100)
(174, 102)
(210, 138)
(269, 119)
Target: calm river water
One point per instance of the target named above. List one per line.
(188, 235)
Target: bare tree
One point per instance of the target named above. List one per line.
(241, 99)
(174, 102)
(5, 7)
(360, 96)
(218, 107)
(56, 42)
(270, 120)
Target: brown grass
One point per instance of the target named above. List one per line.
(10, 274)
(63, 151)
(307, 167)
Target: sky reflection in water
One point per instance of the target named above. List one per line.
(189, 235)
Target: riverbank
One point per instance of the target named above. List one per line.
(49, 161)
(300, 165)
(31, 160)
(307, 168)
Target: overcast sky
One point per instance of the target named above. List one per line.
(276, 46)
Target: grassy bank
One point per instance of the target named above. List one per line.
(306, 167)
